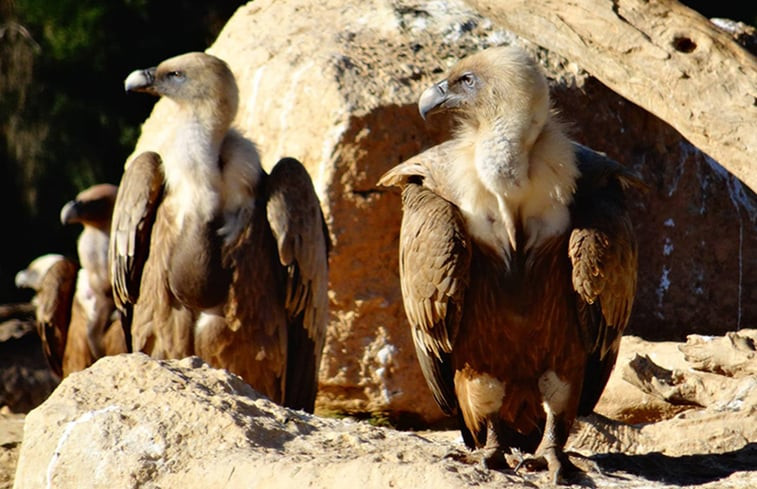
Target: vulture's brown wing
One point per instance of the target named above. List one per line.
(255, 345)
(435, 257)
(54, 299)
(603, 252)
(296, 220)
(139, 194)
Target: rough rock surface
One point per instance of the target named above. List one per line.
(335, 84)
(131, 421)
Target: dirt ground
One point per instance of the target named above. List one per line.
(11, 434)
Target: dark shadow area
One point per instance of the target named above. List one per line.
(745, 12)
(685, 469)
(25, 377)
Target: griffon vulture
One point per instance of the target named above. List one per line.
(93, 209)
(53, 279)
(211, 255)
(517, 261)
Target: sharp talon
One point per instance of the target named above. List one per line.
(521, 460)
(520, 464)
(559, 466)
(532, 464)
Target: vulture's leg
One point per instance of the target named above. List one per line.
(549, 454)
(492, 453)
(481, 418)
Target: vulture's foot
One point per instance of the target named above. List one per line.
(488, 458)
(561, 469)
(490, 455)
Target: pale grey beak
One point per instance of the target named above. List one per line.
(140, 81)
(433, 97)
(69, 212)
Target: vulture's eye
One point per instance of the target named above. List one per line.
(468, 80)
(176, 75)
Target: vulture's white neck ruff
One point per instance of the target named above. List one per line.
(211, 172)
(515, 179)
(92, 248)
(192, 170)
(85, 295)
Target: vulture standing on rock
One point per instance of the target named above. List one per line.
(211, 255)
(517, 262)
(53, 279)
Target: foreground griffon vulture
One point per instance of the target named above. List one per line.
(517, 261)
(211, 255)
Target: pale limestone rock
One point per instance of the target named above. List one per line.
(130, 421)
(133, 422)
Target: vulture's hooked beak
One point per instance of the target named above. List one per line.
(23, 280)
(141, 81)
(433, 97)
(439, 97)
(69, 212)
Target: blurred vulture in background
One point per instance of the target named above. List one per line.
(93, 209)
(211, 255)
(53, 279)
(517, 262)
(75, 313)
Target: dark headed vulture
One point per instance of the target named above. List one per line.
(517, 261)
(211, 255)
(93, 209)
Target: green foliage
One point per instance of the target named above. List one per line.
(69, 30)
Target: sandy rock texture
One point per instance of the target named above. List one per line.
(131, 421)
(335, 85)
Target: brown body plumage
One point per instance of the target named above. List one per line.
(211, 255)
(517, 260)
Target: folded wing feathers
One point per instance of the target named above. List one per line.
(133, 215)
(296, 221)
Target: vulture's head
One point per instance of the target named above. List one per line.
(92, 207)
(193, 79)
(496, 83)
(31, 276)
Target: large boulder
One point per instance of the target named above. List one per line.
(130, 421)
(335, 84)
